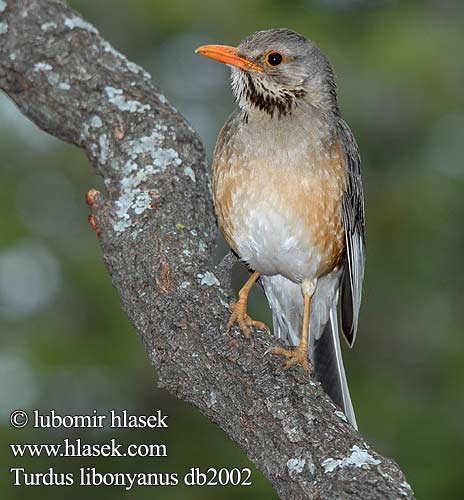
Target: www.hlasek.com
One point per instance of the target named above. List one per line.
(89, 476)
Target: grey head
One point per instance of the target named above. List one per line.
(275, 70)
(294, 69)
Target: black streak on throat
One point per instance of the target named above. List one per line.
(270, 102)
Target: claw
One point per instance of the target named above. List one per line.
(297, 356)
(239, 316)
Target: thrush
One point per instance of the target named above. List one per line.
(288, 196)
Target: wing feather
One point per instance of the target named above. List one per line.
(353, 221)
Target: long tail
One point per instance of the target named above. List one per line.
(329, 367)
(286, 302)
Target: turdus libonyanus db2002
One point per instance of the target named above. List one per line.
(288, 196)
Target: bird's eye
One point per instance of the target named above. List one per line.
(274, 58)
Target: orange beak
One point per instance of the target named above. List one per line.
(227, 55)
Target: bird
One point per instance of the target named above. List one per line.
(288, 196)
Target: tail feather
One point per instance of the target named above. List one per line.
(286, 302)
(329, 369)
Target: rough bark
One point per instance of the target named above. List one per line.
(157, 229)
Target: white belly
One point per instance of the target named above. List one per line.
(272, 242)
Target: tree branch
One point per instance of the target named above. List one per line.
(156, 228)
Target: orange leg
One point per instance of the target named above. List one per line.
(299, 355)
(239, 311)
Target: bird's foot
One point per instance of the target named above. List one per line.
(239, 316)
(297, 356)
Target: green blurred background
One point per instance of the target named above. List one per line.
(65, 343)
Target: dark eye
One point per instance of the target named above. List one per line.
(274, 58)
